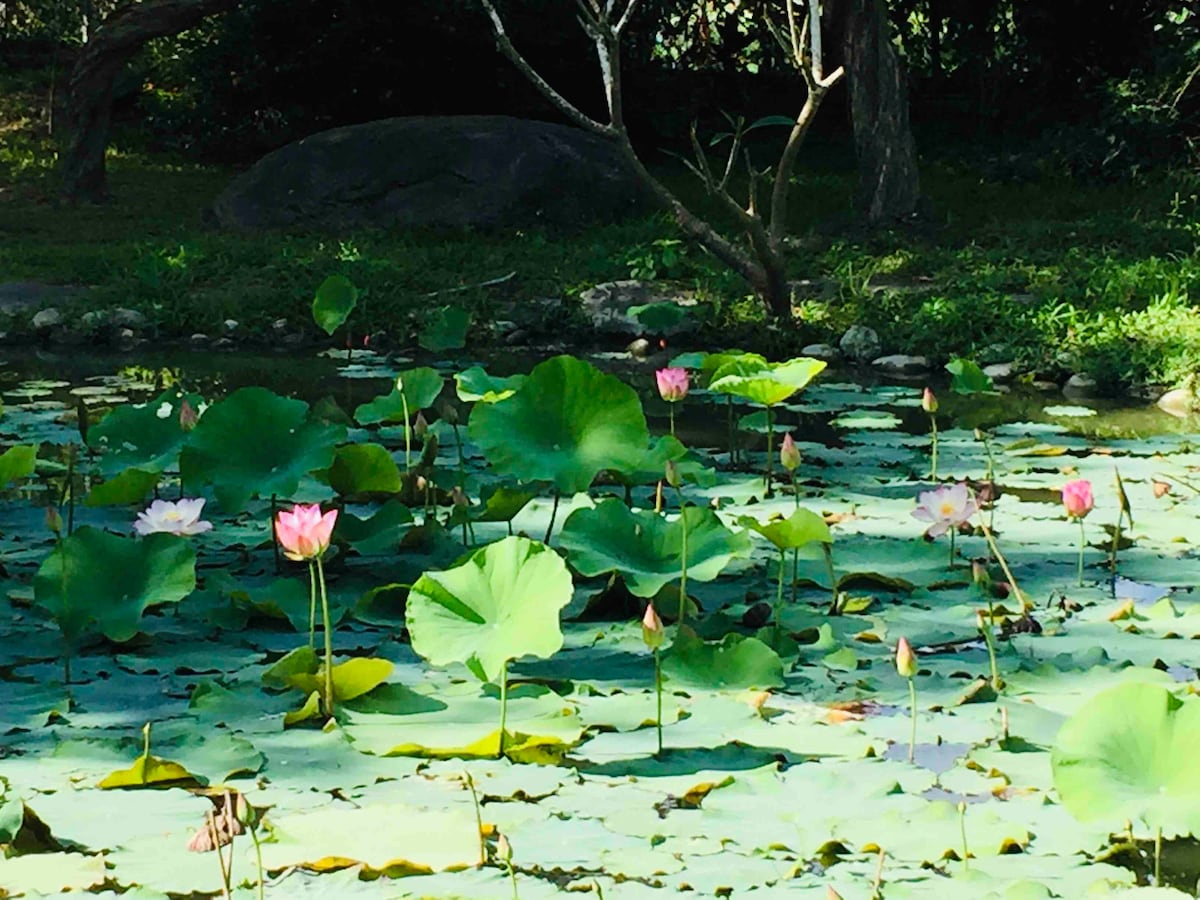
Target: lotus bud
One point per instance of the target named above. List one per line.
(54, 520)
(243, 812)
(672, 384)
(449, 413)
(979, 573)
(672, 474)
(504, 849)
(831, 894)
(906, 660)
(420, 426)
(980, 622)
(400, 383)
(652, 628)
(1077, 498)
(458, 498)
(929, 402)
(789, 453)
(421, 483)
(188, 417)
(978, 434)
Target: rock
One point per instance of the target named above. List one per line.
(826, 352)
(607, 306)
(17, 296)
(126, 337)
(901, 364)
(860, 343)
(230, 325)
(199, 339)
(1045, 386)
(1080, 385)
(123, 317)
(458, 171)
(45, 319)
(224, 343)
(517, 336)
(93, 320)
(279, 326)
(999, 372)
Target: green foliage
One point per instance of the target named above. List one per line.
(802, 527)
(735, 662)
(446, 329)
(566, 424)
(420, 388)
(145, 436)
(1129, 754)
(966, 377)
(335, 299)
(364, 469)
(646, 549)
(767, 384)
(98, 581)
(255, 442)
(17, 463)
(501, 604)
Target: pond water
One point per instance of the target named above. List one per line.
(786, 741)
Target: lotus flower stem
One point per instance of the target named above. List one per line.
(732, 430)
(71, 489)
(953, 531)
(470, 782)
(962, 828)
(770, 454)
(683, 558)
(1158, 857)
(312, 604)
(328, 639)
(1082, 543)
(991, 540)
(461, 459)
(877, 883)
(912, 705)
(933, 452)
(658, 692)
(503, 708)
(216, 839)
(553, 514)
(407, 434)
(253, 829)
(835, 598)
(779, 596)
(671, 413)
(274, 536)
(989, 639)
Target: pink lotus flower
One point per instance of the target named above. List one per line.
(1077, 498)
(789, 453)
(303, 532)
(180, 517)
(946, 507)
(652, 628)
(672, 384)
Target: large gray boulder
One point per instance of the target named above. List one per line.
(478, 171)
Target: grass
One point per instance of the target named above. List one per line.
(1059, 276)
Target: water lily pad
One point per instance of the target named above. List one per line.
(767, 385)
(363, 469)
(144, 436)
(476, 385)
(735, 662)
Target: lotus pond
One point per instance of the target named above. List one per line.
(492, 720)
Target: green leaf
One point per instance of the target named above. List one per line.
(364, 469)
(501, 604)
(765, 121)
(736, 662)
(567, 423)
(301, 661)
(93, 577)
(144, 436)
(476, 385)
(502, 503)
(801, 527)
(446, 329)
(647, 549)
(335, 300)
(1130, 754)
(381, 533)
(256, 442)
(661, 316)
(968, 378)
(131, 486)
(768, 386)
(147, 771)
(17, 463)
(351, 679)
(421, 388)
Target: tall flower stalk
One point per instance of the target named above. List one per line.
(673, 479)
(929, 403)
(1078, 502)
(673, 387)
(653, 635)
(304, 534)
(906, 666)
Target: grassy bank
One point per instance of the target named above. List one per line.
(1058, 276)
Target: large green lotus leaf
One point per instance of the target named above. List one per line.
(421, 388)
(802, 527)
(501, 604)
(351, 679)
(39, 874)
(647, 549)
(363, 469)
(1130, 754)
(735, 662)
(715, 366)
(256, 442)
(96, 577)
(967, 378)
(335, 299)
(771, 385)
(501, 503)
(567, 423)
(17, 463)
(142, 435)
(476, 385)
(446, 329)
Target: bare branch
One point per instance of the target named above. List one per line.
(703, 171)
(560, 102)
(814, 37)
(627, 15)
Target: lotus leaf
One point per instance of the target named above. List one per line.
(501, 604)
(766, 386)
(735, 662)
(567, 423)
(645, 548)
(17, 463)
(801, 527)
(335, 299)
(420, 388)
(474, 384)
(445, 330)
(364, 469)
(144, 436)
(256, 442)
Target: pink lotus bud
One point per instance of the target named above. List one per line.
(54, 519)
(188, 417)
(1077, 498)
(672, 384)
(979, 573)
(906, 660)
(303, 532)
(789, 453)
(929, 402)
(504, 849)
(458, 498)
(672, 474)
(420, 426)
(652, 628)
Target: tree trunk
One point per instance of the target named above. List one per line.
(889, 185)
(89, 102)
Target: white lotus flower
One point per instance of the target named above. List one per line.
(180, 517)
